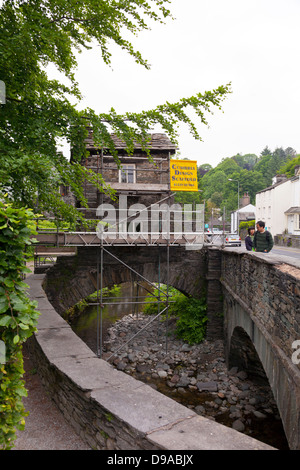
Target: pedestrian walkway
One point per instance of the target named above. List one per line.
(45, 428)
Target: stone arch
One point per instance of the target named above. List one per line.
(74, 278)
(239, 324)
(242, 354)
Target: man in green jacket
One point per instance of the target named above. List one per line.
(263, 240)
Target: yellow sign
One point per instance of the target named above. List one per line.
(183, 175)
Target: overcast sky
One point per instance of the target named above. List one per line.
(254, 44)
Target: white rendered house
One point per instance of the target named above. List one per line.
(245, 212)
(242, 215)
(279, 205)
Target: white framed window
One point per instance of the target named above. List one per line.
(127, 173)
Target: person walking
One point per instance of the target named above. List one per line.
(249, 239)
(262, 240)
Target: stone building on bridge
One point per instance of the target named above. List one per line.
(143, 180)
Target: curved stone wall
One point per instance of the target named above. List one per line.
(109, 409)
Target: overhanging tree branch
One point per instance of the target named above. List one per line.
(38, 111)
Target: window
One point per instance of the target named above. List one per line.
(64, 190)
(127, 174)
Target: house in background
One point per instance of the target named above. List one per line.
(293, 213)
(246, 212)
(279, 205)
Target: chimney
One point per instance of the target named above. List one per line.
(279, 179)
(245, 200)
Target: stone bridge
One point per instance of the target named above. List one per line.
(253, 302)
(261, 322)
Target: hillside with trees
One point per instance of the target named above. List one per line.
(253, 173)
(289, 168)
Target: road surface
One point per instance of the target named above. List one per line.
(286, 251)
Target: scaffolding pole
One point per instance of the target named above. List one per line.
(134, 277)
(100, 304)
(136, 334)
(98, 318)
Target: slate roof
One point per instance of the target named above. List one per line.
(158, 142)
(272, 186)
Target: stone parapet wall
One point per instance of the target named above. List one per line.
(109, 409)
(262, 304)
(287, 240)
(270, 288)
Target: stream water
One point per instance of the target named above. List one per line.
(87, 323)
(269, 430)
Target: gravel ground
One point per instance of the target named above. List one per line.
(45, 428)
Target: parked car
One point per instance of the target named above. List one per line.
(214, 231)
(233, 239)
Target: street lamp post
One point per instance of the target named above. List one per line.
(237, 215)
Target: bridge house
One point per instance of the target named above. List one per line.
(142, 180)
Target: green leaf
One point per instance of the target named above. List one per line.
(3, 307)
(20, 306)
(16, 339)
(8, 282)
(5, 320)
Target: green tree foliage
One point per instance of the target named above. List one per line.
(246, 225)
(249, 182)
(40, 111)
(269, 164)
(18, 317)
(204, 168)
(246, 161)
(228, 166)
(217, 198)
(214, 181)
(192, 320)
(265, 167)
(289, 168)
(190, 312)
(188, 197)
(251, 172)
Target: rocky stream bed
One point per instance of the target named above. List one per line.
(194, 375)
